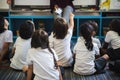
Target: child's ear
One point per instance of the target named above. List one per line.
(93, 33)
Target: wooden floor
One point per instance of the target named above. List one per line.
(7, 73)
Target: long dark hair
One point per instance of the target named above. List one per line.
(2, 29)
(60, 28)
(86, 31)
(115, 25)
(40, 39)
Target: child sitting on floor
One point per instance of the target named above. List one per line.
(60, 40)
(112, 38)
(85, 51)
(42, 60)
(21, 46)
(6, 39)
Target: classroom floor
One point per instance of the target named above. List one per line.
(6, 73)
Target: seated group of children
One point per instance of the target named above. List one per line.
(35, 52)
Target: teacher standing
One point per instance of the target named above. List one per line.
(62, 8)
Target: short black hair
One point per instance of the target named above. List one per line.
(26, 30)
(115, 25)
(2, 29)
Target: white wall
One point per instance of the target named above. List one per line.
(47, 2)
(84, 2)
(32, 2)
(3, 4)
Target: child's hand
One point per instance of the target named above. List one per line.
(25, 68)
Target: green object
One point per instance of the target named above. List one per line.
(118, 0)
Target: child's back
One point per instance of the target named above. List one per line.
(42, 60)
(60, 40)
(85, 51)
(5, 36)
(62, 48)
(21, 49)
(21, 46)
(43, 64)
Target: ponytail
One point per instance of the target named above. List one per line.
(55, 62)
(40, 39)
(86, 31)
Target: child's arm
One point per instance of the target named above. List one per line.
(4, 50)
(105, 45)
(71, 20)
(29, 72)
(25, 68)
(103, 50)
(13, 52)
(60, 76)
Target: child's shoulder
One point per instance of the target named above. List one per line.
(8, 32)
(32, 50)
(111, 32)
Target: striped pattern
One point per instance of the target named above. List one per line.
(10, 74)
(109, 75)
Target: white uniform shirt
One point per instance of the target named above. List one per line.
(113, 38)
(84, 60)
(6, 36)
(62, 48)
(43, 64)
(97, 41)
(21, 51)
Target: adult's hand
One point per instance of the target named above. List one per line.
(9, 2)
(56, 6)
